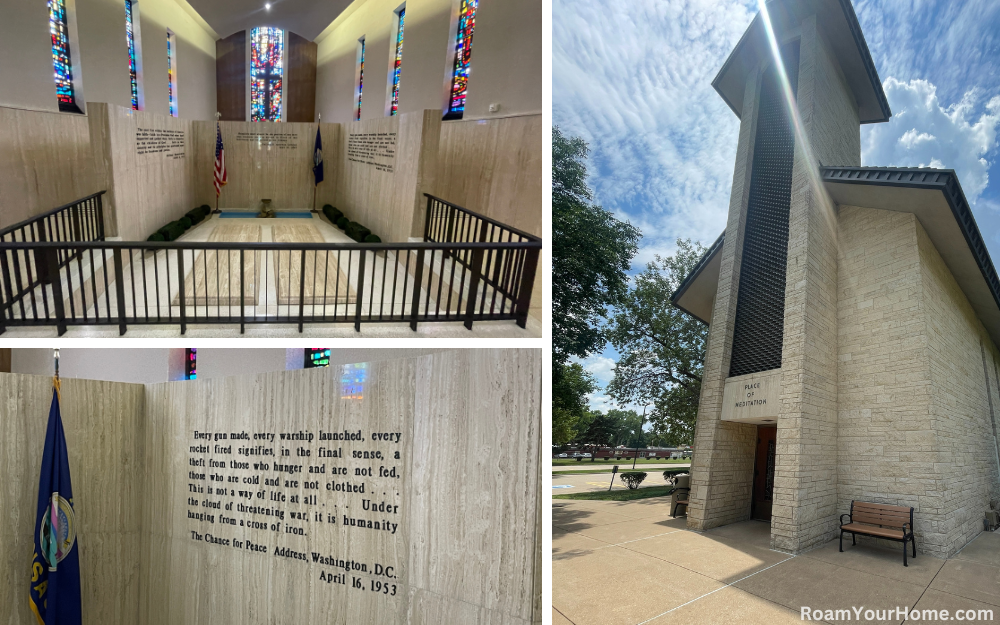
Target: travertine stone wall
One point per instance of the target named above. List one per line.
(386, 193)
(46, 162)
(467, 547)
(105, 438)
(722, 465)
(805, 484)
(961, 433)
(145, 191)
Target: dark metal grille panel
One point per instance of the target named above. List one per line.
(760, 306)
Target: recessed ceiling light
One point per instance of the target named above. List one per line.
(267, 5)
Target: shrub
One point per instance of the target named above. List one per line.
(372, 238)
(205, 208)
(632, 479)
(342, 223)
(327, 207)
(156, 236)
(185, 222)
(171, 231)
(356, 231)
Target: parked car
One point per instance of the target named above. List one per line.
(587, 455)
(562, 456)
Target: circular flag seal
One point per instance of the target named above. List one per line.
(65, 535)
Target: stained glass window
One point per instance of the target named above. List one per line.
(172, 73)
(361, 79)
(59, 30)
(130, 39)
(398, 64)
(463, 58)
(191, 363)
(352, 382)
(266, 47)
(317, 357)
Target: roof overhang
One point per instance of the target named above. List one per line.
(696, 295)
(838, 23)
(934, 196)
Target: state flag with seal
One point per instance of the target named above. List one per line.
(55, 566)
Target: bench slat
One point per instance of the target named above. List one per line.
(871, 530)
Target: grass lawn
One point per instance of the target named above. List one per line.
(561, 462)
(621, 495)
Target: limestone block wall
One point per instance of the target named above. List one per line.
(963, 397)
(104, 428)
(722, 465)
(805, 484)
(887, 445)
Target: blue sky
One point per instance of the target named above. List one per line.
(634, 80)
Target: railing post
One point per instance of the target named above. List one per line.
(418, 272)
(120, 290)
(41, 267)
(302, 287)
(242, 293)
(527, 284)
(474, 278)
(180, 281)
(361, 290)
(100, 216)
(427, 219)
(52, 262)
(8, 286)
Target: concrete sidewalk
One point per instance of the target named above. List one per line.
(626, 563)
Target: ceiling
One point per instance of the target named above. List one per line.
(307, 18)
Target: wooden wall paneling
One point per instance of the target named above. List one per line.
(45, 160)
(300, 92)
(146, 190)
(476, 457)
(231, 76)
(105, 435)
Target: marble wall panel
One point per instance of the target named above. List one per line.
(146, 189)
(105, 437)
(390, 203)
(45, 160)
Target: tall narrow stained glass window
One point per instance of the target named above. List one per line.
(317, 357)
(361, 79)
(61, 61)
(267, 46)
(172, 73)
(130, 39)
(397, 66)
(463, 58)
(191, 363)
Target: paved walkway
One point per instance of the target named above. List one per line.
(599, 481)
(589, 466)
(626, 563)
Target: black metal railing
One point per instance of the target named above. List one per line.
(126, 283)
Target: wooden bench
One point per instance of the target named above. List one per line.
(881, 521)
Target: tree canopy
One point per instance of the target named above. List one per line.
(662, 348)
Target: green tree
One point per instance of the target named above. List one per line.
(569, 401)
(662, 348)
(591, 253)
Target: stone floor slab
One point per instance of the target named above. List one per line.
(971, 580)
(819, 585)
(722, 560)
(756, 533)
(879, 561)
(615, 586)
(579, 518)
(559, 619)
(730, 606)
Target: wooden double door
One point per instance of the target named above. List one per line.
(763, 473)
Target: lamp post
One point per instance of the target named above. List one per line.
(635, 454)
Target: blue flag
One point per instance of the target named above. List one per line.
(318, 158)
(55, 566)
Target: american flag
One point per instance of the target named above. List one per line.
(220, 162)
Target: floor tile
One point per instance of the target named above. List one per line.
(719, 559)
(972, 580)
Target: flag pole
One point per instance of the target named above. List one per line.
(319, 120)
(55, 379)
(218, 117)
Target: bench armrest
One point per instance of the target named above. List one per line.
(849, 519)
(905, 525)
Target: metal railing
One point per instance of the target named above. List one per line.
(64, 284)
